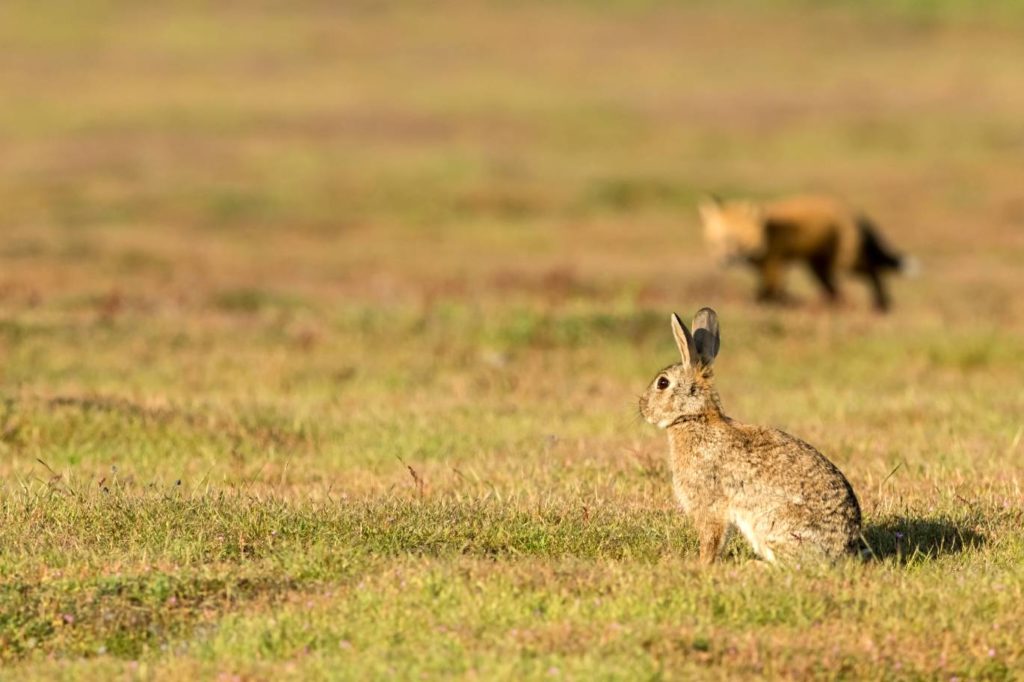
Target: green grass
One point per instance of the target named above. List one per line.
(439, 586)
(321, 334)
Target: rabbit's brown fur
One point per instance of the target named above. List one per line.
(784, 496)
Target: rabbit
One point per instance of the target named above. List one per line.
(784, 496)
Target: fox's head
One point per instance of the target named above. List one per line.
(734, 230)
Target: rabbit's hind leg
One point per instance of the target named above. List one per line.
(748, 527)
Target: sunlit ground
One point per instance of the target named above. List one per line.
(321, 333)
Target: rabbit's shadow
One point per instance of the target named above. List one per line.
(910, 539)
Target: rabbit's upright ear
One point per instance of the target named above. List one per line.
(706, 338)
(687, 350)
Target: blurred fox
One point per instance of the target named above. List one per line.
(825, 234)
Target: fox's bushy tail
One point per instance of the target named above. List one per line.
(876, 254)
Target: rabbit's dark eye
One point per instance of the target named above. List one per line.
(662, 383)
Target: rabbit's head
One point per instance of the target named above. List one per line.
(683, 391)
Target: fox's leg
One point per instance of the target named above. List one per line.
(824, 270)
(878, 289)
(771, 269)
(712, 534)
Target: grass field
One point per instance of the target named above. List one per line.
(322, 328)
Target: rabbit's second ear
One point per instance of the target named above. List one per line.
(684, 342)
(706, 338)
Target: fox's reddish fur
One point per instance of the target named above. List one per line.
(825, 234)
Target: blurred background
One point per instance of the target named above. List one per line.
(189, 152)
(278, 205)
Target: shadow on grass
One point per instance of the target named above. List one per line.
(909, 539)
